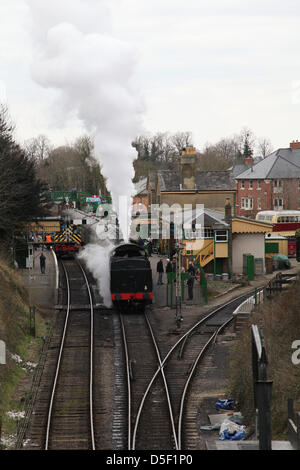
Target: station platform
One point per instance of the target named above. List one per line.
(42, 288)
(162, 298)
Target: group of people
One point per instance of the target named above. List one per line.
(171, 267)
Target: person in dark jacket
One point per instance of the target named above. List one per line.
(43, 263)
(160, 270)
(169, 267)
(150, 248)
(174, 265)
(191, 269)
(190, 283)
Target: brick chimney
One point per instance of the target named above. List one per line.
(188, 163)
(249, 161)
(228, 214)
(295, 145)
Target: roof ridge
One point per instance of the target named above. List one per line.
(277, 155)
(291, 163)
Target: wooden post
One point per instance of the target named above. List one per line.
(32, 321)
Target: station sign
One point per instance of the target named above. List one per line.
(93, 199)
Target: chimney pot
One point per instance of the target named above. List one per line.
(295, 145)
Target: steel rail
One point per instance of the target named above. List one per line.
(190, 376)
(194, 328)
(91, 358)
(58, 361)
(183, 338)
(49, 418)
(128, 370)
(146, 393)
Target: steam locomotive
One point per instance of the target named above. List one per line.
(131, 277)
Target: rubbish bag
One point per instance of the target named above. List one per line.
(236, 436)
(231, 431)
(226, 404)
(281, 262)
(236, 418)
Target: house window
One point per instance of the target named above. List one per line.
(250, 184)
(221, 236)
(258, 184)
(277, 184)
(278, 203)
(242, 184)
(247, 203)
(258, 203)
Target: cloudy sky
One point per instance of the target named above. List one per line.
(209, 67)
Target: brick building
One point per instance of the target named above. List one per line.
(271, 184)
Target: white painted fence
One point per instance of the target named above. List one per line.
(248, 305)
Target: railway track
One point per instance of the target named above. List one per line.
(73, 404)
(152, 423)
(158, 386)
(70, 421)
(120, 381)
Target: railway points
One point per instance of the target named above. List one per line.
(207, 387)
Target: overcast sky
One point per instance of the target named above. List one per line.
(206, 66)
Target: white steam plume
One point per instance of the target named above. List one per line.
(95, 76)
(97, 259)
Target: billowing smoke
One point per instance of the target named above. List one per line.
(97, 258)
(94, 73)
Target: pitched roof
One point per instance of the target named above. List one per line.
(241, 167)
(140, 187)
(283, 163)
(204, 180)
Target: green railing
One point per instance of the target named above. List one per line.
(60, 196)
(171, 280)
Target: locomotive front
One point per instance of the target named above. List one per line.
(131, 276)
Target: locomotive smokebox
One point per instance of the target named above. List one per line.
(131, 275)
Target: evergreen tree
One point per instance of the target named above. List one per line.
(20, 190)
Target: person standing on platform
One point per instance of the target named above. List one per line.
(160, 270)
(169, 268)
(190, 284)
(43, 263)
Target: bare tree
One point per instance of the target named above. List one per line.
(265, 147)
(181, 140)
(38, 148)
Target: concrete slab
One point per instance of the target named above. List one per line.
(245, 445)
(42, 288)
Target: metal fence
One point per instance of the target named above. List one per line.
(293, 425)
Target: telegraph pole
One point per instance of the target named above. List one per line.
(179, 317)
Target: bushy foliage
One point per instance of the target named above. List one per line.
(281, 327)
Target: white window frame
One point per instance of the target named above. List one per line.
(247, 203)
(259, 203)
(224, 236)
